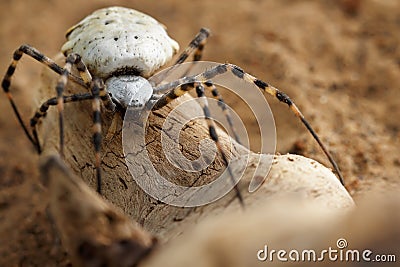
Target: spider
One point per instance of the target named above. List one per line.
(115, 51)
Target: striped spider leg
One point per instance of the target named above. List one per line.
(177, 88)
(97, 92)
(196, 46)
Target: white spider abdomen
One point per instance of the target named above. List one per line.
(117, 40)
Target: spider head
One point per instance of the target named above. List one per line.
(129, 91)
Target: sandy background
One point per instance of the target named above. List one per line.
(338, 60)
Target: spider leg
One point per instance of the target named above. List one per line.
(75, 59)
(175, 90)
(221, 103)
(42, 111)
(87, 79)
(96, 87)
(40, 57)
(214, 137)
(98, 92)
(197, 45)
(72, 59)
